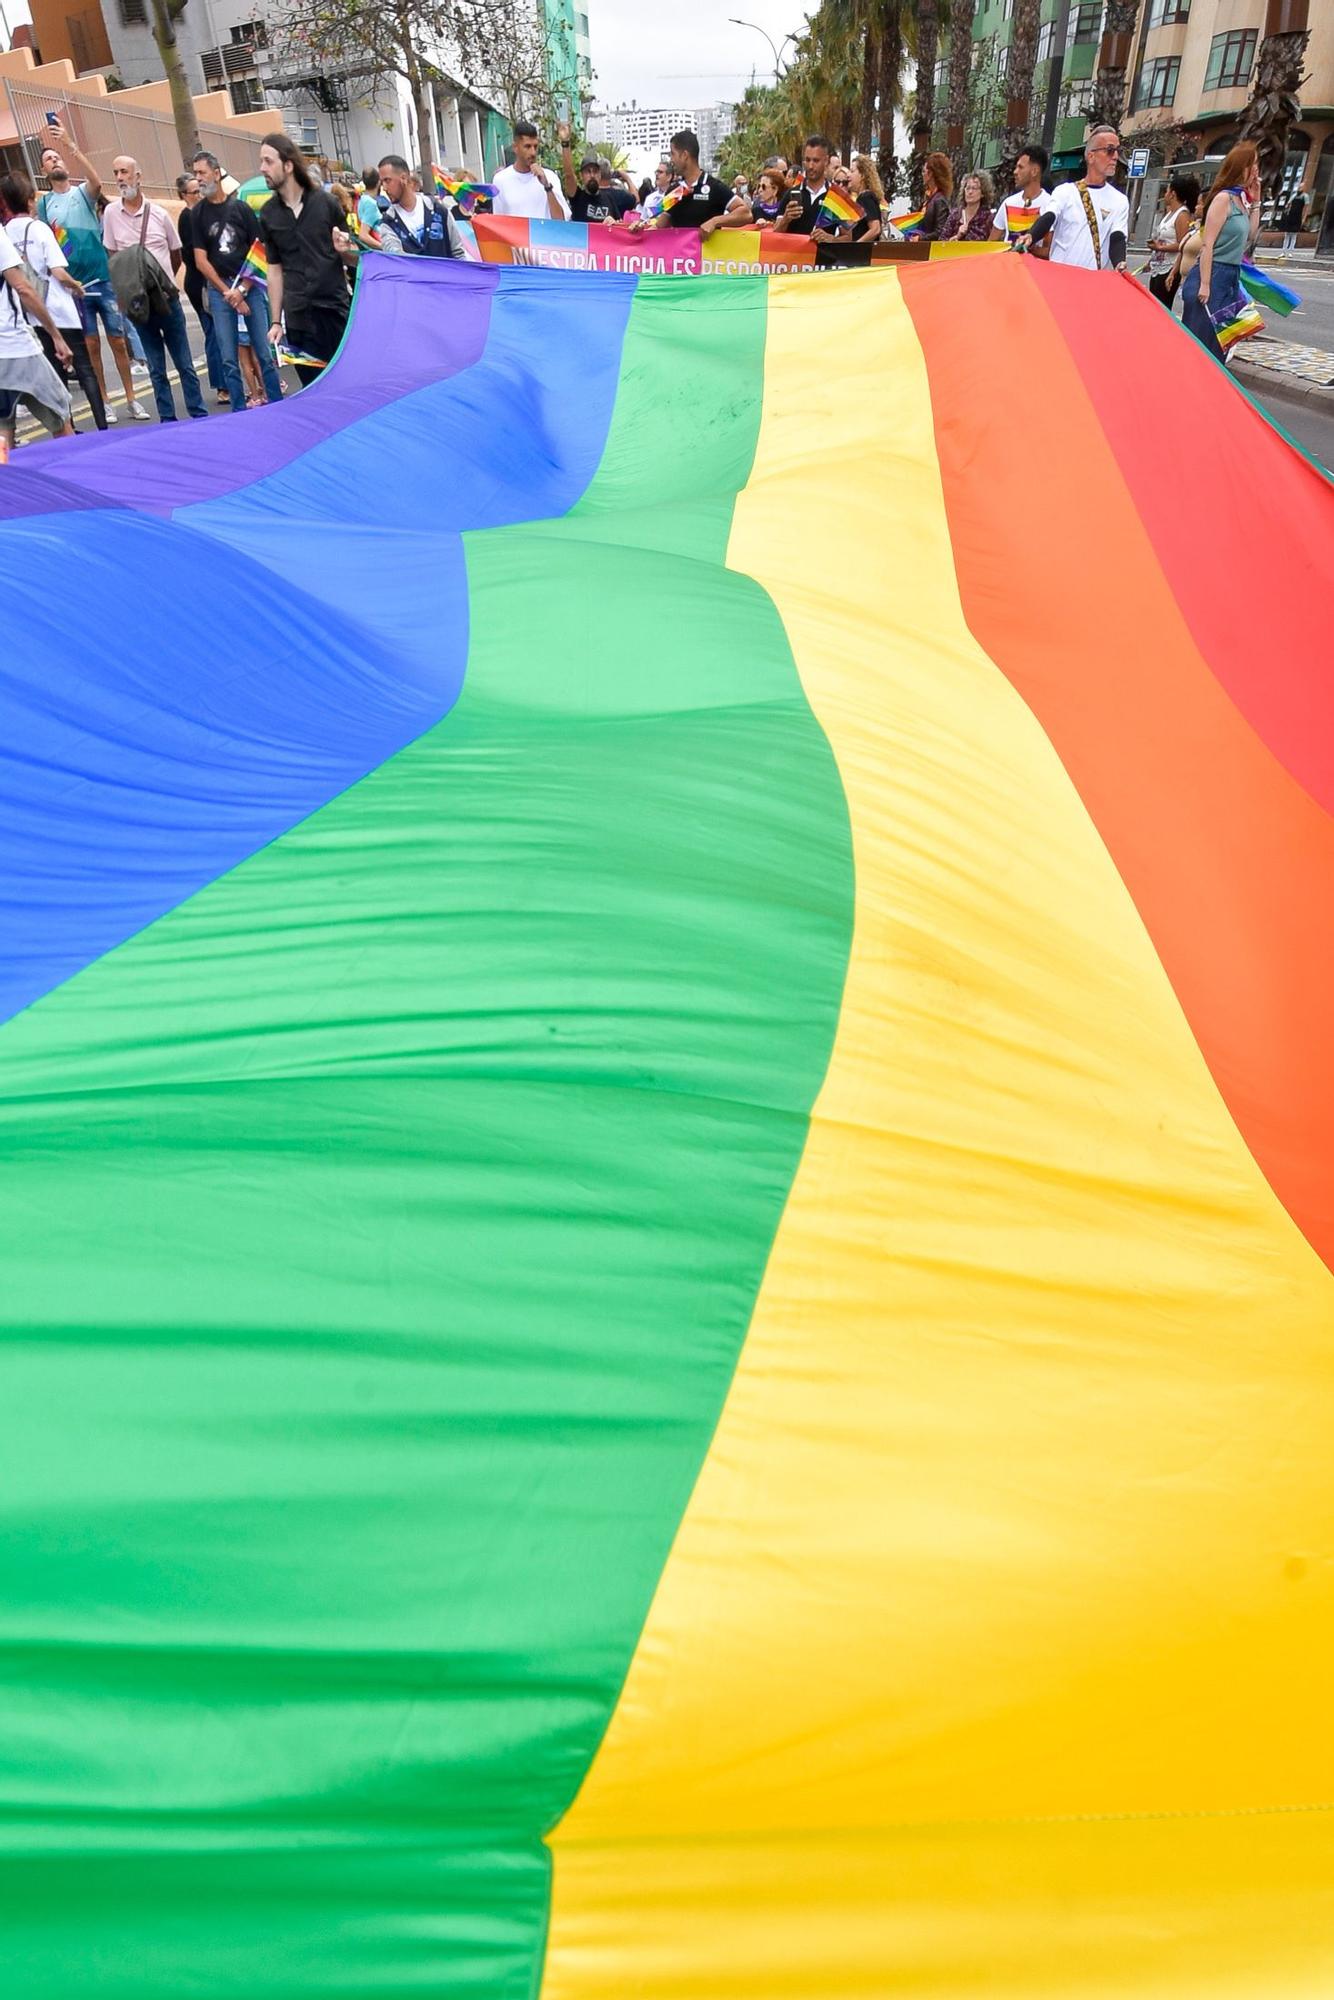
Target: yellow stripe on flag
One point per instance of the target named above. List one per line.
(989, 1659)
(731, 246)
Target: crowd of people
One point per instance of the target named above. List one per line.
(272, 284)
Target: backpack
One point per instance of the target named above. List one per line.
(439, 237)
(40, 285)
(143, 289)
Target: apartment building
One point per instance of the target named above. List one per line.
(569, 57)
(1191, 72)
(1194, 65)
(644, 132)
(1062, 79)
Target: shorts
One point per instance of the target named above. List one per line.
(99, 301)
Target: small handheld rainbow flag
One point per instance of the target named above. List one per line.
(840, 206)
(673, 195)
(1267, 291)
(907, 222)
(297, 357)
(255, 270)
(462, 190)
(61, 235)
(1018, 221)
(1244, 322)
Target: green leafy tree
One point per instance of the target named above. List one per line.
(844, 79)
(986, 104)
(520, 57)
(366, 42)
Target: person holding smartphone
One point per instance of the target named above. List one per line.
(72, 206)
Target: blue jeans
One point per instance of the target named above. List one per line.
(163, 336)
(212, 358)
(227, 323)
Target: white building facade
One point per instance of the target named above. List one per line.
(644, 132)
(226, 44)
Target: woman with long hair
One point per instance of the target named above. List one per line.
(970, 222)
(1169, 233)
(868, 191)
(938, 188)
(1212, 294)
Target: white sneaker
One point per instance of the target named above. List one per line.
(139, 368)
(111, 413)
(139, 413)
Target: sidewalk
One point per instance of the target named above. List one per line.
(1286, 369)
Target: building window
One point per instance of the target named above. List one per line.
(247, 94)
(1164, 12)
(1158, 83)
(1046, 40)
(133, 14)
(253, 33)
(1085, 25)
(1231, 60)
(1077, 98)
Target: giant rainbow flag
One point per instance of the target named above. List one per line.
(667, 1119)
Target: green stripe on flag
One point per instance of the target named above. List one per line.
(383, 1227)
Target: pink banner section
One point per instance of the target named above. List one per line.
(587, 246)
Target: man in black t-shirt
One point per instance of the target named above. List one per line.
(623, 199)
(590, 199)
(303, 230)
(699, 200)
(192, 282)
(222, 229)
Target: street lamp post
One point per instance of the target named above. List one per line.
(778, 70)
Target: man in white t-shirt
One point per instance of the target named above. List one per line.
(25, 373)
(1014, 219)
(1089, 213)
(39, 250)
(527, 188)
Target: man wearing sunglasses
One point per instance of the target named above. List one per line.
(1092, 216)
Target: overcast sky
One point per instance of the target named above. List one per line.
(684, 53)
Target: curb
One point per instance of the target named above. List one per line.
(1278, 387)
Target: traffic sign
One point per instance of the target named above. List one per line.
(1139, 163)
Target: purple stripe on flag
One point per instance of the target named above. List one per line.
(420, 339)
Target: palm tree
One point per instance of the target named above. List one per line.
(928, 51)
(1109, 83)
(1275, 102)
(884, 61)
(1019, 86)
(960, 76)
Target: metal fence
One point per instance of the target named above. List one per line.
(103, 128)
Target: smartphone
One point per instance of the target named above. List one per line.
(53, 117)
